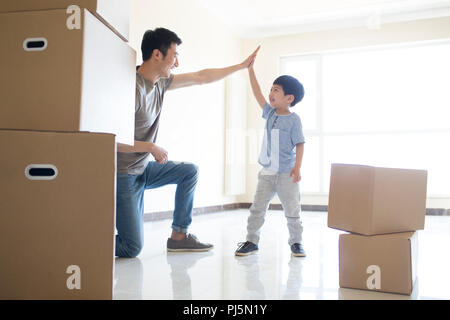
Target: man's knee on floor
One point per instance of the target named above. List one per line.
(130, 250)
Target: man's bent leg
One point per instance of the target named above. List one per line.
(184, 198)
(185, 176)
(129, 215)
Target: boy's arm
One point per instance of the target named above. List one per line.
(295, 172)
(255, 86)
(208, 75)
(299, 148)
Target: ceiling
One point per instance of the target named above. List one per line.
(265, 18)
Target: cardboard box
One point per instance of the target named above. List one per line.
(113, 13)
(385, 263)
(57, 218)
(371, 200)
(59, 79)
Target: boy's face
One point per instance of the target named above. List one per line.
(278, 99)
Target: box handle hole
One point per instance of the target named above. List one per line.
(41, 172)
(35, 44)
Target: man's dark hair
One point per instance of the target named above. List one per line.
(292, 86)
(160, 39)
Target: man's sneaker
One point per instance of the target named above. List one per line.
(297, 250)
(246, 248)
(190, 243)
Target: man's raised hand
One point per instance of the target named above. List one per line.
(248, 63)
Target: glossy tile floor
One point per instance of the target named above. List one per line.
(271, 273)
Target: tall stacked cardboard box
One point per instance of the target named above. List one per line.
(381, 209)
(67, 91)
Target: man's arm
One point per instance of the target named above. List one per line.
(139, 146)
(160, 155)
(208, 75)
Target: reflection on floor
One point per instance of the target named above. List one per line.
(271, 273)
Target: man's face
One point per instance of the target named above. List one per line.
(170, 61)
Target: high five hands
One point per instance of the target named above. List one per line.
(248, 63)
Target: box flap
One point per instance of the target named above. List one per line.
(60, 223)
(350, 197)
(108, 82)
(115, 14)
(399, 200)
(62, 52)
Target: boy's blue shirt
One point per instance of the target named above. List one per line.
(281, 134)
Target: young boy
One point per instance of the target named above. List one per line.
(281, 157)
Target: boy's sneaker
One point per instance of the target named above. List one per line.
(297, 250)
(246, 248)
(190, 243)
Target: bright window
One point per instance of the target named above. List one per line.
(386, 107)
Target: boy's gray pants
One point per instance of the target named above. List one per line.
(289, 194)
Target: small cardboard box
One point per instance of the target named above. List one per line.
(60, 79)
(372, 200)
(385, 263)
(57, 218)
(113, 13)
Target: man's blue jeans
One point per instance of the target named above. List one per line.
(130, 202)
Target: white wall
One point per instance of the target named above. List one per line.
(267, 69)
(194, 120)
(192, 126)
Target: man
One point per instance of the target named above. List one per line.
(135, 170)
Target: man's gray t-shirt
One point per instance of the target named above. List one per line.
(149, 100)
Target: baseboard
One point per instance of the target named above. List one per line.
(437, 212)
(153, 216)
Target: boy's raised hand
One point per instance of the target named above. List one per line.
(251, 59)
(253, 81)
